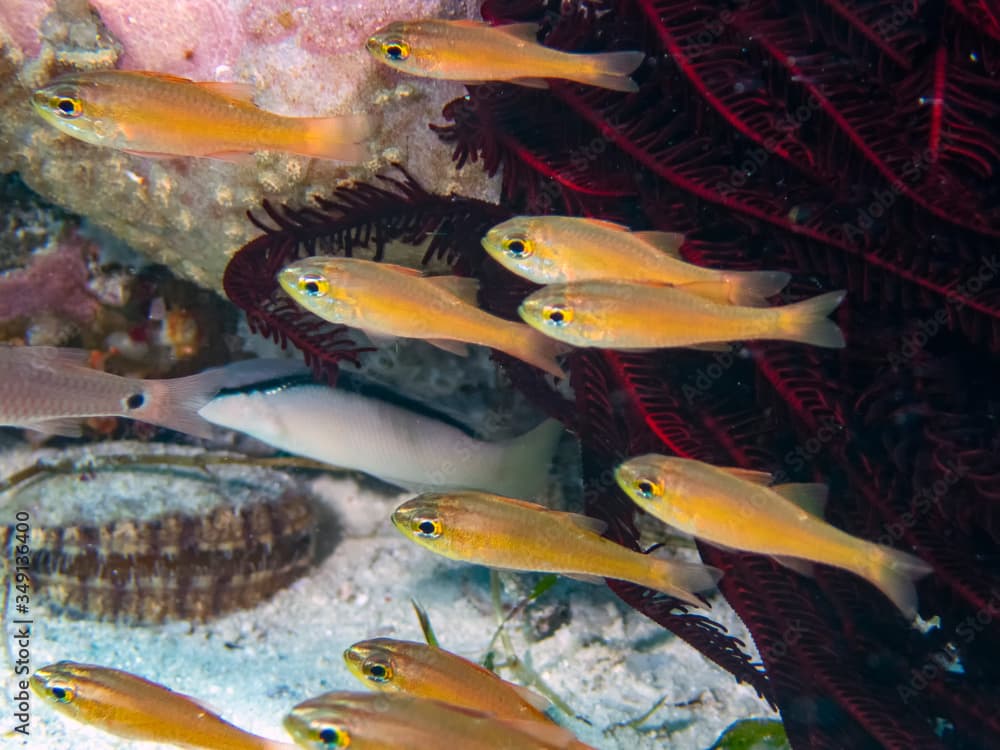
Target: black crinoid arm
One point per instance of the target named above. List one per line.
(853, 144)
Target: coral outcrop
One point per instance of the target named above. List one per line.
(303, 58)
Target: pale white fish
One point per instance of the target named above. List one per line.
(408, 445)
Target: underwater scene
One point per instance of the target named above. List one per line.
(501, 375)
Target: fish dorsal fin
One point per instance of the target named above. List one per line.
(241, 92)
(529, 696)
(51, 355)
(165, 77)
(527, 32)
(405, 270)
(62, 427)
(458, 348)
(667, 242)
(585, 578)
(749, 475)
(603, 224)
(463, 287)
(808, 496)
(379, 339)
(586, 523)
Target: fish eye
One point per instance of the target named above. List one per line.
(62, 694)
(333, 737)
(518, 247)
(378, 670)
(648, 489)
(67, 106)
(313, 285)
(558, 315)
(396, 50)
(427, 527)
(135, 401)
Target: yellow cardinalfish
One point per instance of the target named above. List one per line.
(392, 721)
(387, 301)
(424, 671)
(510, 534)
(734, 508)
(158, 115)
(560, 249)
(129, 706)
(629, 316)
(52, 390)
(475, 52)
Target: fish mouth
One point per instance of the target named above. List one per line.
(354, 659)
(491, 240)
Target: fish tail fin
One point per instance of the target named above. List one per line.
(610, 70)
(536, 349)
(806, 321)
(681, 580)
(894, 572)
(524, 469)
(174, 403)
(752, 288)
(342, 138)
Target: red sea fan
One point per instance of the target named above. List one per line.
(857, 145)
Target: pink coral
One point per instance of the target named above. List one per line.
(53, 284)
(21, 21)
(191, 38)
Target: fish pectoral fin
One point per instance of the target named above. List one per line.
(463, 287)
(405, 270)
(748, 475)
(241, 92)
(667, 242)
(529, 696)
(454, 347)
(586, 578)
(531, 83)
(809, 496)
(800, 566)
(587, 523)
(62, 427)
(526, 32)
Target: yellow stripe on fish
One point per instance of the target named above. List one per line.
(385, 300)
(631, 316)
(129, 706)
(475, 52)
(733, 508)
(510, 534)
(561, 249)
(158, 115)
(425, 671)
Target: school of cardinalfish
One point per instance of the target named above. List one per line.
(603, 285)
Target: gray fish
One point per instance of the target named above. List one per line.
(52, 390)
